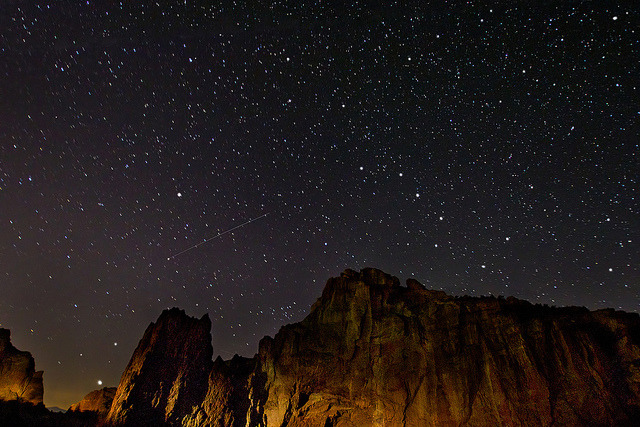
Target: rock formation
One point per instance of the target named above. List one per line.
(373, 352)
(167, 374)
(98, 401)
(18, 378)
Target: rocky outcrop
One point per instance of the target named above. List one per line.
(236, 389)
(98, 401)
(167, 374)
(18, 378)
(374, 352)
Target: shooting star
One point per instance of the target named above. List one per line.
(217, 235)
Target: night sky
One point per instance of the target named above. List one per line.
(480, 149)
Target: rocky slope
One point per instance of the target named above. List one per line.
(18, 378)
(373, 352)
(98, 401)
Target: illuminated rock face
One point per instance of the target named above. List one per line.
(18, 378)
(98, 401)
(373, 352)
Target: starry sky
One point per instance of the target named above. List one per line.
(479, 148)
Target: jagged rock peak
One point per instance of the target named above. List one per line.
(18, 378)
(371, 276)
(167, 373)
(176, 314)
(374, 285)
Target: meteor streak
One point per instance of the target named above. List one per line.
(217, 235)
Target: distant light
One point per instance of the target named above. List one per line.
(179, 194)
(99, 382)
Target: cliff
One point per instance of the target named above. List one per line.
(373, 352)
(18, 378)
(167, 373)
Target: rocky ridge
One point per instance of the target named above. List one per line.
(373, 352)
(98, 401)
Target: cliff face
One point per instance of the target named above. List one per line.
(18, 378)
(167, 373)
(98, 401)
(373, 352)
(234, 397)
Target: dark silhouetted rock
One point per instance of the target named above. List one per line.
(18, 378)
(414, 285)
(167, 374)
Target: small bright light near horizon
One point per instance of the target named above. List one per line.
(115, 343)
(99, 382)
(179, 194)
